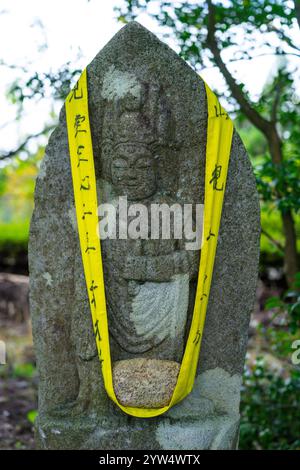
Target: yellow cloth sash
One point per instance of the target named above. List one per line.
(219, 137)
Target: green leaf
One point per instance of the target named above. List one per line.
(31, 416)
(26, 370)
(273, 302)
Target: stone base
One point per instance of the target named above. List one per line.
(219, 433)
(208, 418)
(145, 383)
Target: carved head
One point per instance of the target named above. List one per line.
(135, 129)
(133, 171)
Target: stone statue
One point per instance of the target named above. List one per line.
(153, 279)
(148, 121)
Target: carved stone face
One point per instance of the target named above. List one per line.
(133, 171)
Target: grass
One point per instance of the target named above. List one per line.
(14, 231)
(14, 235)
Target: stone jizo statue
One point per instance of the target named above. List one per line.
(148, 118)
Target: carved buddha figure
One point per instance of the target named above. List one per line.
(147, 280)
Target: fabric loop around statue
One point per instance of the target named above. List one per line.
(218, 146)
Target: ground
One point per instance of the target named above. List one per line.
(18, 388)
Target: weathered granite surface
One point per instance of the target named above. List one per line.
(145, 383)
(140, 91)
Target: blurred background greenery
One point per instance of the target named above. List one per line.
(225, 42)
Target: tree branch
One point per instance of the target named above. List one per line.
(268, 54)
(272, 240)
(272, 29)
(265, 126)
(11, 66)
(277, 90)
(297, 11)
(22, 146)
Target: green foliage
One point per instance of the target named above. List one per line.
(271, 204)
(16, 202)
(279, 341)
(32, 415)
(243, 30)
(14, 233)
(188, 21)
(284, 325)
(289, 305)
(2, 183)
(38, 85)
(254, 141)
(26, 370)
(19, 445)
(279, 184)
(270, 412)
(271, 221)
